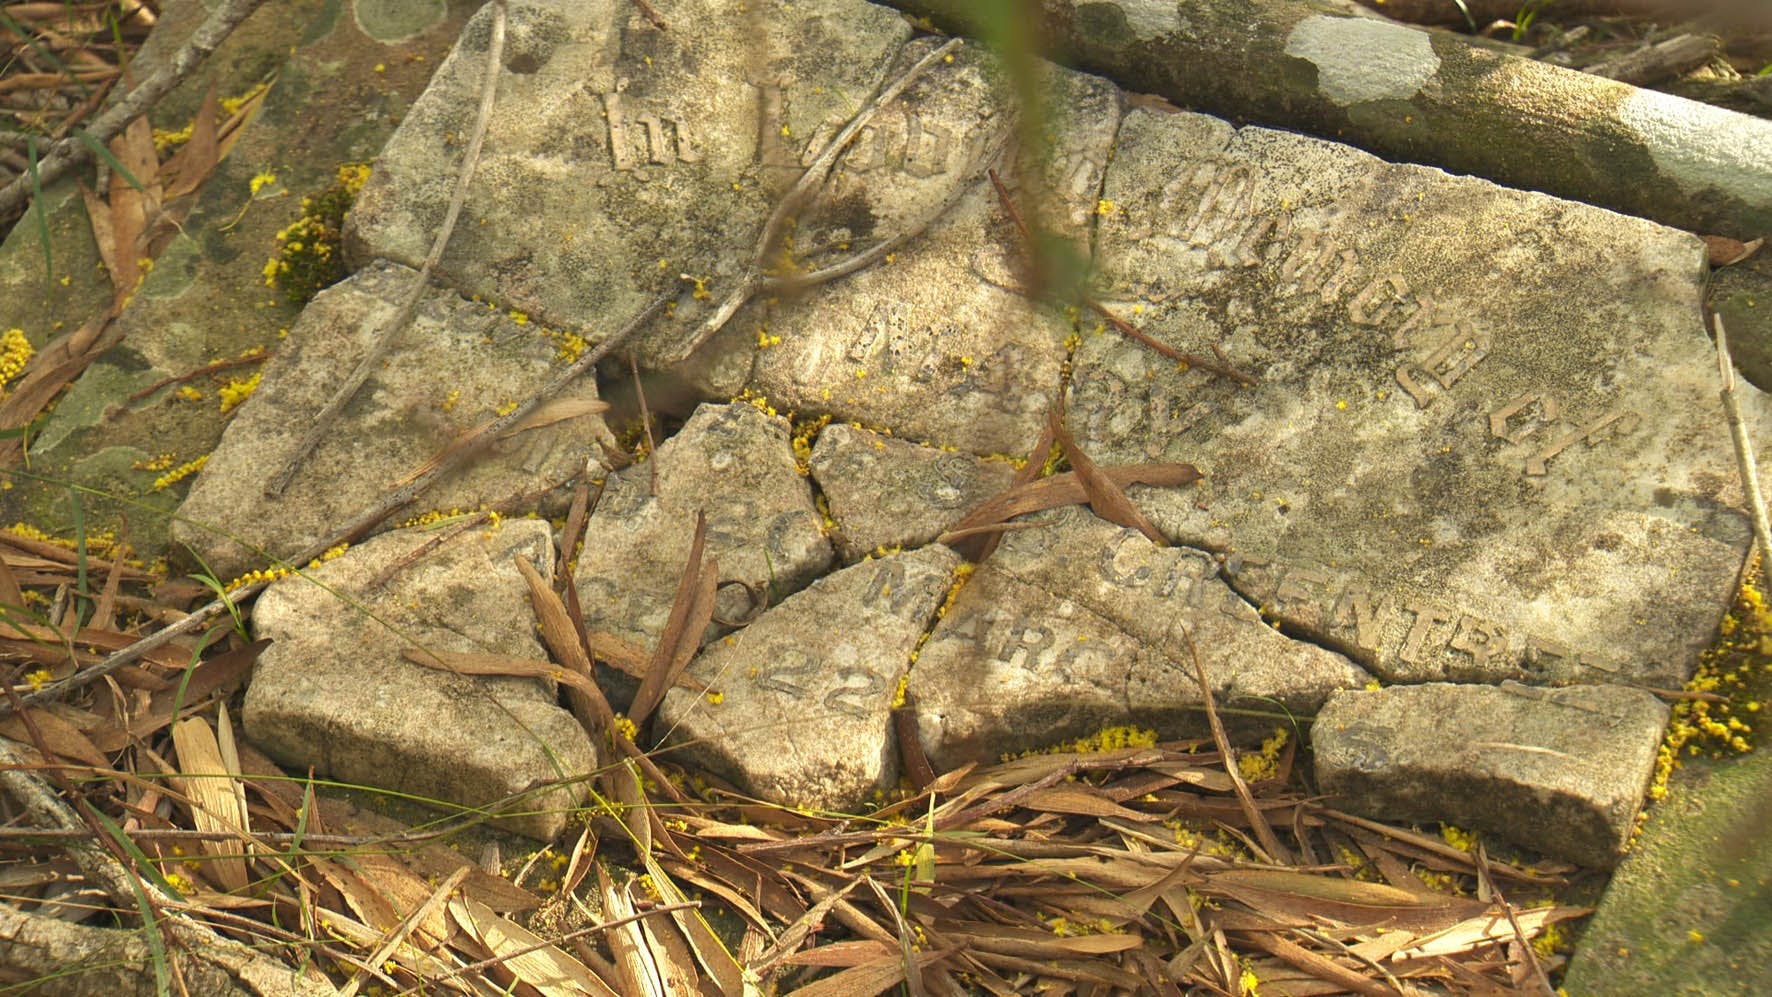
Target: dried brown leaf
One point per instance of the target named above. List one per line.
(217, 797)
(691, 612)
(484, 663)
(557, 631)
(1066, 489)
(196, 159)
(1724, 251)
(1107, 499)
(525, 955)
(637, 975)
(710, 952)
(60, 737)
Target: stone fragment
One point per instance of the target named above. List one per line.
(333, 692)
(1077, 624)
(732, 462)
(457, 366)
(805, 693)
(1484, 443)
(1559, 771)
(338, 92)
(939, 341)
(621, 155)
(887, 493)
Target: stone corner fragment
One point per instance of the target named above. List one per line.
(333, 691)
(1560, 771)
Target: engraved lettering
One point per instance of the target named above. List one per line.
(927, 148)
(1357, 608)
(1463, 348)
(1416, 640)
(688, 143)
(1027, 642)
(856, 687)
(1421, 318)
(657, 147)
(621, 153)
(887, 585)
(1378, 300)
(1245, 254)
(1548, 412)
(1617, 422)
(1137, 572)
(789, 675)
(1406, 375)
(1479, 638)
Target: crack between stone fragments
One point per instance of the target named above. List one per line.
(1292, 632)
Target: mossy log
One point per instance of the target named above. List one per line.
(1419, 96)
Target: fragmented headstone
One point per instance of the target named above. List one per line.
(622, 154)
(732, 462)
(885, 493)
(939, 341)
(333, 691)
(1485, 442)
(457, 366)
(1560, 771)
(1079, 624)
(801, 706)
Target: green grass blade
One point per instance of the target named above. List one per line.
(150, 925)
(98, 149)
(37, 209)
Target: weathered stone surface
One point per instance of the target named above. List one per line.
(333, 692)
(806, 691)
(732, 462)
(1559, 771)
(205, 299)
(459, 364)
(1702, 864)
(939, 342)
(1485, 443)
(1077, 625)
(621, 155)
(887, 493)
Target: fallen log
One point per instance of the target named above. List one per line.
(1417, 96)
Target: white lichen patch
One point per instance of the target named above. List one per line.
(1361, 60)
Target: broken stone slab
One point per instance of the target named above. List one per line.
(1078, 624)
(736, 464)
(939, 341)
(457, 366)
(333, 692)
(337, 95)
(804, 698)
(885, 494)
(621, 154)
(1484, 443)
(1559, 771)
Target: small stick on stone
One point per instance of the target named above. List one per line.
(70, 152)
(1744, 452)
(384, 340)
(796, 198)
(1264, 833)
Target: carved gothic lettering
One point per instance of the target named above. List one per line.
(1416, 642)
(1614, 423)
(1549, 411)
(1378, 300)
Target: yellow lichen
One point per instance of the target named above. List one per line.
(15, 352)
(238, 390)
(180, 473)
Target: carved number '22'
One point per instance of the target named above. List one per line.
(855, 686)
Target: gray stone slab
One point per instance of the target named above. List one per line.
(333, 692)
(620, 155)
(1485, 443)
(1559, 771)
(1075, 625)
(805, 693)
(732, 462)
(457, 366)
(885, 493)
(939, 342)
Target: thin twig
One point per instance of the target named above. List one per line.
(386, 336)
(1264, 833)
(789, 207)
(1744, 452)
(394, 500)
(69, 153)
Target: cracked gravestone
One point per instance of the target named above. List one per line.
(460, 364)
(939, 342)
(1485, 442)
(1076, 624)
(805, 693)
(621, 155)
(733, 462)
(333, 692)
(1560, 771)
(886, 494)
